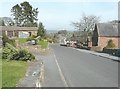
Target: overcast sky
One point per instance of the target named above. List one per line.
(57, 15)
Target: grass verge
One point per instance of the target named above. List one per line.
(44, 44)
(22, 40)
(12, 72)
(0, 69)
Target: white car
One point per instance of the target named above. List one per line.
(32, 42)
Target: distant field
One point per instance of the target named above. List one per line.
(12, 72)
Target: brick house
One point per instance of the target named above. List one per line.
(103, 32)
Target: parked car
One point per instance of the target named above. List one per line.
(33, 42)
(61, 44)
(72, 44)
(68, 44)
(79, 45)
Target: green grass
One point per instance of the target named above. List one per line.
(12, 72)
(44, 44)
(0, 73)
(22, 40)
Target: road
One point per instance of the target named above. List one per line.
(74, 68)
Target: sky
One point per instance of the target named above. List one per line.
(58, 15)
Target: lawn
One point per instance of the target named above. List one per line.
(12, 72)
(0, 73)
(44, 44)
(22, 40)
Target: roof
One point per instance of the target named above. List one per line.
(108, 29)
(12, 28)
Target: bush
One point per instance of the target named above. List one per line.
(34, 36)
(9, 49)
(22, 55)
(5, 40)
(11, 53)
(49, 40)
(115, 52)
(5, 53)
(110, 44)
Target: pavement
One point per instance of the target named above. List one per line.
(105, 55)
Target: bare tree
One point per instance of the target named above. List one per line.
(86, 24)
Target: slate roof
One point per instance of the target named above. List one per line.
(108, 29)
(12, 28)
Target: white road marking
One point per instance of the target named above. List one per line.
(38, 84)
(59, 69)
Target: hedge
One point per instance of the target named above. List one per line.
(11, 53)
(115, 52)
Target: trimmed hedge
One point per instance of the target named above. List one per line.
(110, 44)
(115, 52)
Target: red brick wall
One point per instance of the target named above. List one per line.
(102, 41)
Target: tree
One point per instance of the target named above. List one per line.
(86, 24)
(63, 32)
(2, 22)
(41, 31)
(115, 21)
(25, 15)
(6, 21)
(17, 13)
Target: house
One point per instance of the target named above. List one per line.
(103, 32)
(14, 31)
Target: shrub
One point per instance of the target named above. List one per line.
(49, 40)
(115, 52)
(5, 40)
(5, 53)
(11, 53)
(34, 36)
(110, 44)
(9, 49)
(22, 55)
